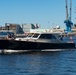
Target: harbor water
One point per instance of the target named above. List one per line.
(39, 63)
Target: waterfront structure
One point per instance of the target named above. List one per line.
(27, 27)
(30, 27)
(19, 28)
(16, 28)
(11, 27)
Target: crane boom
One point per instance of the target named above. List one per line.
(66, 10)
(70, 9)
(68, 17)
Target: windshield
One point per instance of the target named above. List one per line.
(35, 35)
(30, 34)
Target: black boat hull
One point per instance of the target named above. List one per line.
(28, 45)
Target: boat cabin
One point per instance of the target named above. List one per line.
(41, 37)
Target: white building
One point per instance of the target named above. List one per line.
(28, 27)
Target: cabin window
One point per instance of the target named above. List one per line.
(47, 36)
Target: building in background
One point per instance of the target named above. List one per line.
(28, 27)
(19, 29)
(16, 28)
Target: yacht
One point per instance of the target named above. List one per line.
(36, 42)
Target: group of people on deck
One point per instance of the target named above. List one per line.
(10, 37)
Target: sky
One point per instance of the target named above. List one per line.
(47, 13)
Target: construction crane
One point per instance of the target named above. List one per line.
(68, 19)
